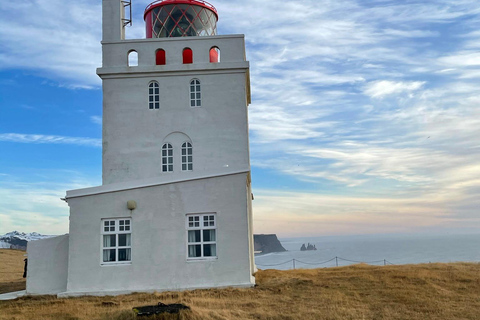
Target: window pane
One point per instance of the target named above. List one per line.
(184, 167)
(194, 251)
(109, 240)
(198, 87)
(192, 103)
(209, 235)
(124, 254)
(164, 168)
(209, 250)
(124, 240)
(190, 166)
(199, 103)
(190, 150)
(192, 88)
(109, 255)
(150, 91)
(156, 90)
(198, 95)
(194, 236)
(170, 168)
(192, 95)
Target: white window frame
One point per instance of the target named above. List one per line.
(120, 226)
(167, 157)
(195, 93)
(187, 158)
(153, 95)
(201, 227)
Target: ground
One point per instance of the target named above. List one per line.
(11, 270)
(425, 291)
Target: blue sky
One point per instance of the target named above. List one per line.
(364, 119)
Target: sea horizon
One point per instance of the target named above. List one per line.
(376, 249)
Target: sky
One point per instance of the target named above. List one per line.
(365, 115)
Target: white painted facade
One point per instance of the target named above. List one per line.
(218, 185)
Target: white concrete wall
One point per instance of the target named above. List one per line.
(47, 265)
(159, 238)
(133, 134)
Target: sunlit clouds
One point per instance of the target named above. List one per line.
(372, 106)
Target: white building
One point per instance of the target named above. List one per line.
(174, 210)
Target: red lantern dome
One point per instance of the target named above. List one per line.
(180, 18)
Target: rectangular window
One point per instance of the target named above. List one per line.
(202, 236)
(116, 240)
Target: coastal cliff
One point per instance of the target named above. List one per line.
(266, 243)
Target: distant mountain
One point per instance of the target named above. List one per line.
(19, 240)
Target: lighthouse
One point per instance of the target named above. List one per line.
(174, 210)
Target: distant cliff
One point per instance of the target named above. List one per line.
(267, 243)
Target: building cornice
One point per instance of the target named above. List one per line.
(144, 183)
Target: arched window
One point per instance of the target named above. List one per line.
(132, 58)
(167, 158)
(153, 95)
(187, 160)
(160, 57)
(195, 94)
(214, 55)
(187, 56)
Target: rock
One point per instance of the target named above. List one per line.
(308, 247)
(267, 243)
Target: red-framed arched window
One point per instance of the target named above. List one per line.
(187, 56)
(160, 57)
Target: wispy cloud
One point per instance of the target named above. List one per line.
(53, 139)
(96, 119)
(375, 102)
(382, 88)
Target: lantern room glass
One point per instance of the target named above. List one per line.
(182, 20)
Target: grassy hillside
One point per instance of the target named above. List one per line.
(11, 270)
(428, 291)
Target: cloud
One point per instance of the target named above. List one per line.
(96, 119)
(311, 214)
(52, 139)
(382, 88)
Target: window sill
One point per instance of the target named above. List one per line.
(202, 259)
(109, 264)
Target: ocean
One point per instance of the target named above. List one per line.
(373, 249)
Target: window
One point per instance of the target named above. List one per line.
(167, 158)
(195, 95)
(153, 95)
(133, 58)
(187, 56)
(187, 163)
(160, 57)
(214, 55)
(202, 236)
(116, 240)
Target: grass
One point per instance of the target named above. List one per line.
(425, 291)
(11, 270)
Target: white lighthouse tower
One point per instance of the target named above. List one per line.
(174, 210)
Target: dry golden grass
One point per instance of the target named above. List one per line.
(11, 270)
(427, 291)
